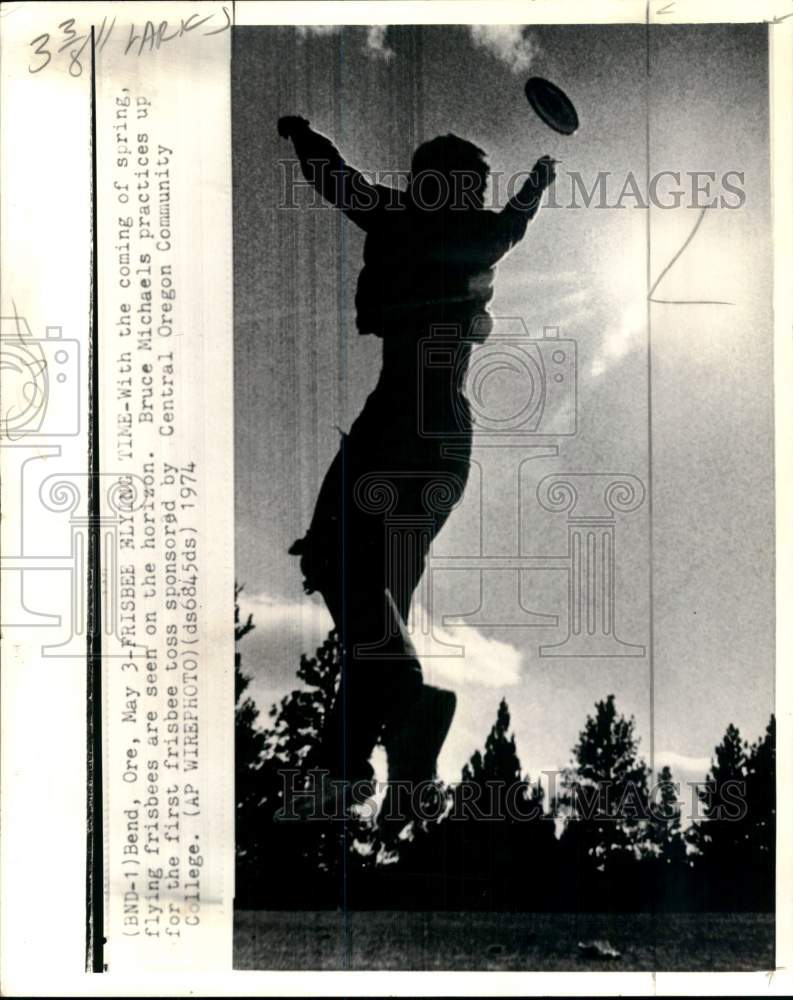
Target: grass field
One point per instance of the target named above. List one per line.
(501, 941)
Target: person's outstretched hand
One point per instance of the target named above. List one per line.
(290, 124)
(544, 172)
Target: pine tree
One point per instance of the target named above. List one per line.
(735, 840)
(500, 845)
(605, 794)
(761, 815)
(501, 759)
(728, 769)
(720, 838)
(665, 834)
(300, 716)
(249, 748)
(295, 733)
(500, 785)
(279, 862)
(723, 793)
(761, 790)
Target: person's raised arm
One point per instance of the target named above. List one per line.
(514, 218)
(325, 169)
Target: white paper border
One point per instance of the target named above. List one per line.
(42, 926)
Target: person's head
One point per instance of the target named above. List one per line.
(448, 172)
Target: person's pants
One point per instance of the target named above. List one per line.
(365, 552)
(380, 678)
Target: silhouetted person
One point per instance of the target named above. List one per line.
(429, 259)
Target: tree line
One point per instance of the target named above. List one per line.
(606, 835)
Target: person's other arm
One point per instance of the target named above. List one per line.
(514, 218)
(326, 170)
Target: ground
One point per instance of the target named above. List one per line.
(267, 939)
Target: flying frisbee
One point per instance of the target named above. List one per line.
(552, 105)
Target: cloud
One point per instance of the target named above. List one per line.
(304, 30)
(621, 282)
(271, 612)
(619, 340)
(681, 765)
(375, 44)
(511, 43)
(485, 662)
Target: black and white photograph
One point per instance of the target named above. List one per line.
(395, 552)
(504, 497)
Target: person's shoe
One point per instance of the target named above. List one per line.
(327, 796)
(412, 751)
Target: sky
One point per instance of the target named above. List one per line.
(677, 395)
